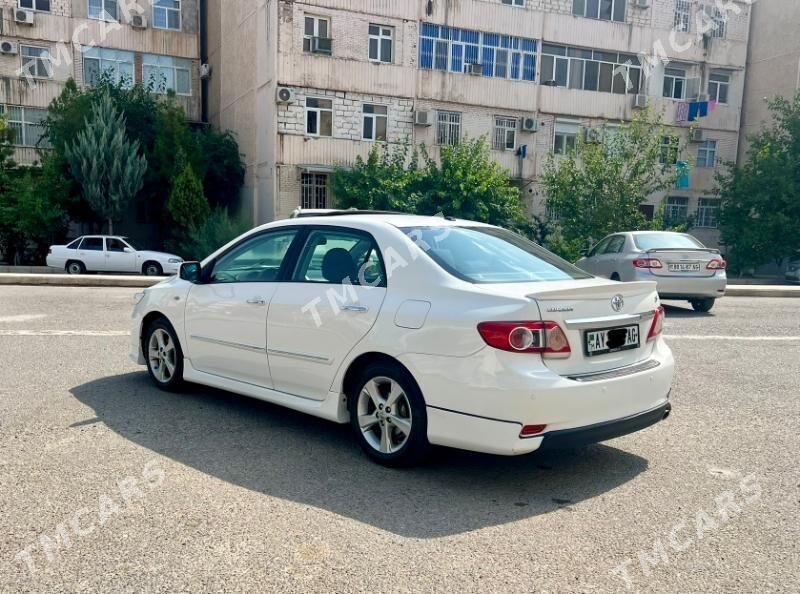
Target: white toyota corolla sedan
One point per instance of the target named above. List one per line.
(415, 330)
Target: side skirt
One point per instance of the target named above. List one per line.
(333, 408)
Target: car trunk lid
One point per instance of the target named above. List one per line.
(683, 262)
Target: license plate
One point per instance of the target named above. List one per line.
(684, 267)
(610, 340)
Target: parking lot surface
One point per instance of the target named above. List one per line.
(107, 484)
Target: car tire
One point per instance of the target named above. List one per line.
(615, 277)
(388, 416)
(75, 267)
(703, 305)
(152, 269)
(163, 354)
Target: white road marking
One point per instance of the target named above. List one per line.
(742, 338)
(64, 333)
(21, 318)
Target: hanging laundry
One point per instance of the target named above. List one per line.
(703, 109)
(694, 109)
(682, 112)
(712, 105)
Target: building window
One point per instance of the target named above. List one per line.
(315, 27)
(314, 190)
(319, 117)
(674, 83)
(707, 154)
(676, 209)
(489, 54)
(167, 14)
(104, 10)
(566, 137)
(605, 10)
(448, 127)
(505, 134)
(714, 21)
(26, 123)
(36, 61)
(40, 5)
(707, 209)
(718, 87)
(683, 16)
(376, 121)
(514, 2)
(165, 73)
(380, 43)
(669, 150)
(114, 64)
(590, 70)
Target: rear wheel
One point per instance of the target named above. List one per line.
(615, 277)
(164, 355)
(75, 267)
(152, 269)
(702, 305)
(388, 417)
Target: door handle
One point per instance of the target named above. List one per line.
(358, 308)
(257, 301)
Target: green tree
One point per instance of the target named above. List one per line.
(188, 207)
(105, 162)
(463, 182)
(217, 230)
(760, 201)
(596, 189)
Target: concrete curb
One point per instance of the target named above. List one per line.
(99, 280)
(79, 280)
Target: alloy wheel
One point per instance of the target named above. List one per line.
(384, 414)
(162, 355)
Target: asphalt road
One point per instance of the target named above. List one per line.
(107, 484)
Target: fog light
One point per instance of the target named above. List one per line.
(531, 430)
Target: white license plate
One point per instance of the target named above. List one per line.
(610, 340)
(684, 267)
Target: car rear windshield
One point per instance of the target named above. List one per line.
(491, 255)
(655, 241)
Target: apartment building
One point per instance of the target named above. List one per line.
(773, 63)
(44, 43)
(310, 84)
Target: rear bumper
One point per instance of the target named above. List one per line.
(682, 287)
(578, 436)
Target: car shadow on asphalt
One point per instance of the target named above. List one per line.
(282, 453)
(685, 311)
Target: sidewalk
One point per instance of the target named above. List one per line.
(100, 280)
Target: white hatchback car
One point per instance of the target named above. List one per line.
(415, 330)
(105, 253)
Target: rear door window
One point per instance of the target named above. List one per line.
(92, 244)
(615, 245)
(337, 255)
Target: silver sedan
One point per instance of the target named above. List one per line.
(682, 266)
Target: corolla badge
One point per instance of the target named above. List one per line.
(617, 302)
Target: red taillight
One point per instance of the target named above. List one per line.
(647, 263)
(717, 264)
(526, 337)
(658, 324)
(531, 430)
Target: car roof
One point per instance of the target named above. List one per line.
(367, 219)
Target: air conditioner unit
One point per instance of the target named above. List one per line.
(284, 95)
(138, 21)
(641, 3)
(697, 135)
(530, 124)
(322, 45)
(205, 70)
(591, 135)
(423, 118)
(23, 16)
(473, 68)
(9, 47)
(639, 101)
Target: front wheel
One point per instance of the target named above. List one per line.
(164, 355)
(388, 417)
(152, 269)
(703, 305)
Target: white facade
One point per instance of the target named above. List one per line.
(259, 46)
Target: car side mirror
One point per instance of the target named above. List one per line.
(127, 250)
(191, 271)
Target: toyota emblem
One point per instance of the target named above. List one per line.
(617, 302)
